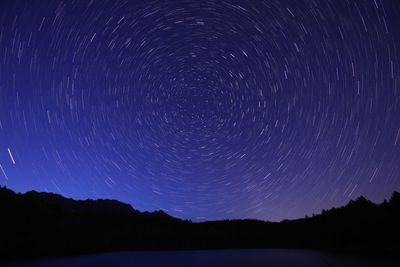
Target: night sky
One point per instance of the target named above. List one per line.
(205, 109)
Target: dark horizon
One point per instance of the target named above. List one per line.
(221, 219)
(61, 227)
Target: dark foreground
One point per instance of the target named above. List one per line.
(38, 225)
(232, 258)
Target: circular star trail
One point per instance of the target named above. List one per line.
(205, 109)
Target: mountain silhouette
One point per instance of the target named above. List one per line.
(36, 225)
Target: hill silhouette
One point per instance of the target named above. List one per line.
(47, 225)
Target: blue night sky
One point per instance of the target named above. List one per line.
(205, 109)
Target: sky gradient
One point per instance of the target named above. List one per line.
(205, 109)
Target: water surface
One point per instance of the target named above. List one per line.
(207, 258)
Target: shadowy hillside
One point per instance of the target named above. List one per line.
(46, 225)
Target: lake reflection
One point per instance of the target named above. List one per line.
(247, 258)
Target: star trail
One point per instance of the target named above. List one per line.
(204, 109)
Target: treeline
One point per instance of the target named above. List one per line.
(48, 225)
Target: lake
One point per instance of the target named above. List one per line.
(210, 258)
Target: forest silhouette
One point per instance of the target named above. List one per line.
(35, 225)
